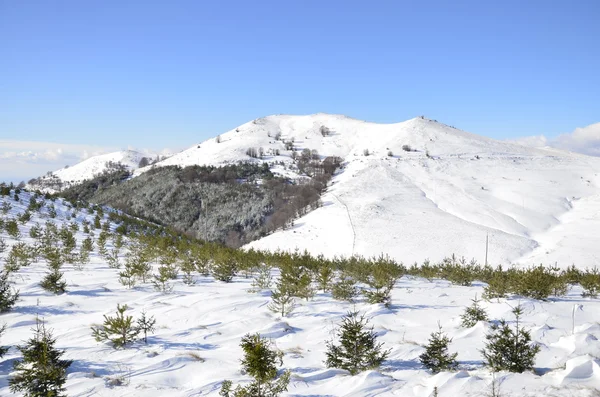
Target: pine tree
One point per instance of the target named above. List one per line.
(53, 281)
(297, 281)
(281, 300)
(42, 372)
(473, 314)
(146, 324)
(358, 349)
(161, 280)
(119, 330)
(260, 362)
(436, 357)
(262, 279)
(510, 350)
(8, 295)
(344, 289)
(3, 349)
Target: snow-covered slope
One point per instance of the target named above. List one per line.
(93, 166)
(444, 196)
(199, 327)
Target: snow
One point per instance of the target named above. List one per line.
(210, 317)
(95, 165)
(454, 190)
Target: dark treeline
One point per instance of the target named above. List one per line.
(232, 204)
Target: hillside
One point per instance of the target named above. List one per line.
(444, 196)
(421, 189)
(201, 320)
(87, 169)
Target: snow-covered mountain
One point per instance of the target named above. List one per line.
(446, 195)
(89, 168)
(421, 189)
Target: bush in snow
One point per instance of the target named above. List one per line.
(120, 330)
(41, 372)
(510, 349)
(260, 362)
(357, 349)
(436, 357)
(3, 349)
(473, 314)
(8, 295)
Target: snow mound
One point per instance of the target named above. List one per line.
(582, 368)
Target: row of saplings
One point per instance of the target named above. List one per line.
(42, 370)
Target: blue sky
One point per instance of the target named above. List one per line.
(171, 73)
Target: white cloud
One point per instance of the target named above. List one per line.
(584, 140)
(23, 160)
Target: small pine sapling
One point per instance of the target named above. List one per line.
(146, 325)
(119, 330)
(41, 372)
(510, 350)
(357, 349)
(473, 314)
(436, 357)
(260, 362)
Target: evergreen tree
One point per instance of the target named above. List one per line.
(224, 268)
(436, 357)
(344, 289)
(42, 372)
(358, 349)
(53, 281)
(146, 324)
(161, 280)
(324, 277)
(281, 300)
(262, 279)
(260, 362)
(3, 349)
(297, 280)
(473, 314)
(8, 295)
(510, 350)
(120, 330)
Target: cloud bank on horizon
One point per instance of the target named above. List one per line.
(585, 140)
(23, 160)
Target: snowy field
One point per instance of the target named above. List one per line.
(196, 345)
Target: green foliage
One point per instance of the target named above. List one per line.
(54, 282)
(120, 330)
(381, 277)
(161, 280)
(8, 295)
(12, 229)
(42, 372)
(224, 267)
(297, 280)
(146, 325)
(282, 301)
(436, 356)
(262, 278)
(3, 349)
(510, 349)
(324, 277)
(590, 282)
(344, 289)
(357, 349)
(473, 314)
(260, 362)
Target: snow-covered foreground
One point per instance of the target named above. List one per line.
(208, 319)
